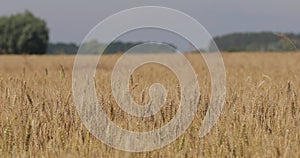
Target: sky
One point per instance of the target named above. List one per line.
(70, 21)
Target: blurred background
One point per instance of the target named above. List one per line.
(58, 27)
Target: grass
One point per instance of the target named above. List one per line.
(261, 116)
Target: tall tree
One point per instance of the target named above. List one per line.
(23, 33)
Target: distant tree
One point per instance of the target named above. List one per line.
(95, 47)
(23, 33)
(261, 41)
(91, 47)
(119, 46)
(62, 48)
(4, 29)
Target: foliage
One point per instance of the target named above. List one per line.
(62, 48)
(262, 41)
(94, 47)
(23, 33)
(91, 47)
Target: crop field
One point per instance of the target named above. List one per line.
(261, 115)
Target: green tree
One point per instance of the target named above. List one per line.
(260, 41)
(23, 33)
(62, 48)
(4, 23)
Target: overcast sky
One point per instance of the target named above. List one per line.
(70, 21)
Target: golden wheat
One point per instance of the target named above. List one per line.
(261, 116)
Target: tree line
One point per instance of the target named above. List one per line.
(235, 42)
(259, 41)
(27, 34)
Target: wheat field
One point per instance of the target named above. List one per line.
(261, 115)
